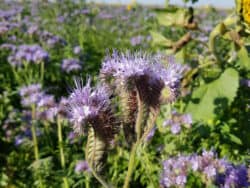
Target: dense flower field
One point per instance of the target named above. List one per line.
(124, 96)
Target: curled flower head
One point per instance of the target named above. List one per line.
(91, 106)
(145, 73)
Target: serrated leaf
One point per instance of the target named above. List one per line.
(244, 60)
(219, 94)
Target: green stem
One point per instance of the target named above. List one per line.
(60, 143)
(87, 180)
(33, 131)
(42, 72)
(35, 142)
(141, 121)
(99, 178)
(131, 164)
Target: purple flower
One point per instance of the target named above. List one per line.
(187, 119)
(234, 176)
(30, 94)
(210, 171)
(46, 101)
(33, 30)
(144, 72)
(245, 82)
(104, 15)
(51, 39)
(137, 40)
(82, 166)
(177, 120)
(19, 140)
(181, 180)
(175, 128)
(8, 47)
(29, 54)
(60, 19)
(85, 104)
(151, 134)
(77, 50)
(85, 11)
(71, 137)
(220, 171)
(69, 65)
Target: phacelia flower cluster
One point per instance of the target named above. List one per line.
(45, 105)
(87, 104)
(147, 73)
(218, 171)
(69, 65)
(31, 94)
(176, 121)
(28, 54)
(50, 39)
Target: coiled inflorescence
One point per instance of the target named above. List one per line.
(88, 106)
(147, 73)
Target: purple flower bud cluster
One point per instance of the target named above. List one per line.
(29, 54)
(85, 104)
(69, 65)
(219, 171)
(177, 120)
(82, 166)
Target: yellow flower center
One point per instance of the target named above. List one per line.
(246, 10)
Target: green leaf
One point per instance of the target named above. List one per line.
(244, 60)
(174, 17)
(160, 40)
(210, 99)
(235, 139)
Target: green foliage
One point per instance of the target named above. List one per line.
(213, 90)
(210, 100)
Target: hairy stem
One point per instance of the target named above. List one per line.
(99, 178)
(142, 117)
(131, 164)
(140, 124)
(60, 144)
(34, 138)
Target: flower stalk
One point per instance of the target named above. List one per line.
(60, 144)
